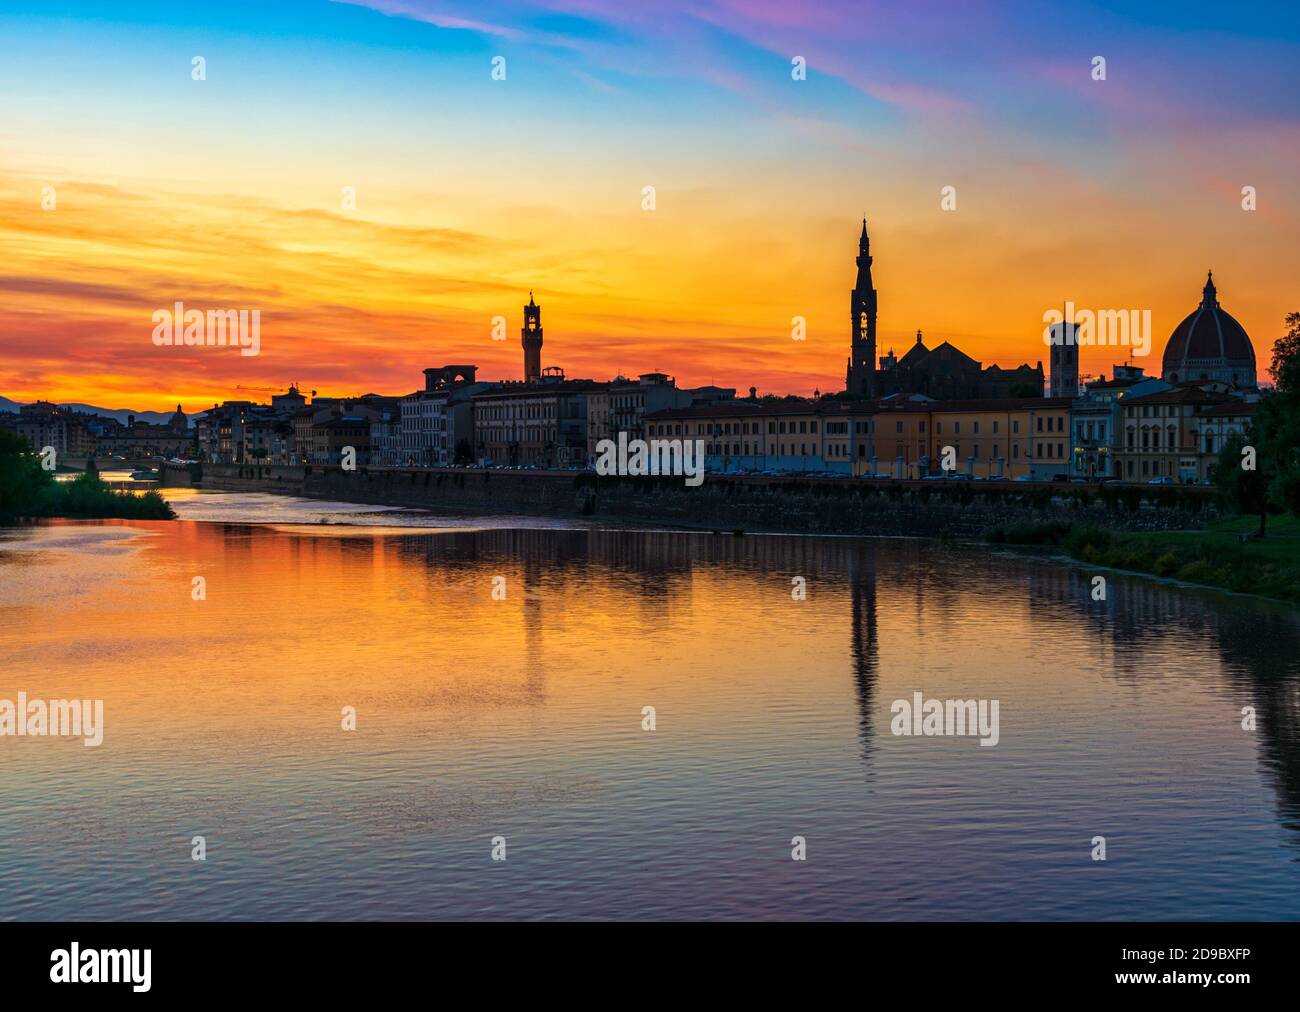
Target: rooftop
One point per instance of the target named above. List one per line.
(1179, 395)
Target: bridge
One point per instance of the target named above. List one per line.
(106, 464)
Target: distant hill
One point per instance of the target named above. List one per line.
(153, 417)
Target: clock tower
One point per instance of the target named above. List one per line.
(531, 339)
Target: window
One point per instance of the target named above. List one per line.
(1015, 425)
(956, 426)
(995, 428)
(898, 426)
(975, 428)
(1015, 450)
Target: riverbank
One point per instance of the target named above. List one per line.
(784, 505)
(1224, 555)
(83, 498)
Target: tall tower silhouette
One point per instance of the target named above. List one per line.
(531, 339)
(1063, 356)
(861, 375)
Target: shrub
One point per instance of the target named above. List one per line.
(1167, 564)
(1080, 538)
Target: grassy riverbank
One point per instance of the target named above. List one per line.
(86, 497)
(28, 491)
(1223, 555)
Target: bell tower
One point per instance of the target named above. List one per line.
(531, 339)
(860, 377)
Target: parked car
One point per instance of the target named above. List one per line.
(1162, 480)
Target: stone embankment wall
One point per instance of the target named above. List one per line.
(793, 505)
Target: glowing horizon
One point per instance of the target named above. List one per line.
(226, 193)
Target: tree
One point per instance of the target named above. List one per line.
(1273, 485)
(1278, 420)
(25, 487)
(1285, 368)
(28, 490)
(1244, 488)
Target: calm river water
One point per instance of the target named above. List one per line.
(522, 718)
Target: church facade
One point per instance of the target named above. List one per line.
(944, 372)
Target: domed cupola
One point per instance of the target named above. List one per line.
(1209, 345)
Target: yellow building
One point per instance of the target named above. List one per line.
(1006, 438)
(1175, 435)
(899, 437)
(788, 436)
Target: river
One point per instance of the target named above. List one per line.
(499, 670)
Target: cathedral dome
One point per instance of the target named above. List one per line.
(1209, 345)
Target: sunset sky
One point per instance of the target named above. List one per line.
(470, 192)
